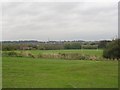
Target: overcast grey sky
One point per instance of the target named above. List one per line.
(59, 20)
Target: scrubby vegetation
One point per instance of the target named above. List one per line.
(112, 50)
(68, 55)
(18, 54)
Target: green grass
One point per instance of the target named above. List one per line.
(21, 72)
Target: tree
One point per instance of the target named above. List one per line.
(112, 50)
(102, 44)
(72, 45)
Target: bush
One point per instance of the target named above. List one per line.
(112, 50)
(77, 56)
(18, 54)
(11, 53)
(31, 55)
(39, 55)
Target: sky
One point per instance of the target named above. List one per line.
(59, 20)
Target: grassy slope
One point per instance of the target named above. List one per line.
(28, 72)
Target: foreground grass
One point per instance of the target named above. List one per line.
(51, 73)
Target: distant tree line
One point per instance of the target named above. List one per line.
(111, 48)
(53, 45)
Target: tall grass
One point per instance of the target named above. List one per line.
(68, 56)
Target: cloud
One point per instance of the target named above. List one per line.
(59, 20)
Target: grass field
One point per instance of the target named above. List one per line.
(21, 72)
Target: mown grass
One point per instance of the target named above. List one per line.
(20, 72)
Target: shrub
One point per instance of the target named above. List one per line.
(112, 50)
(31, 55)
(11, 53)
(18, 54)
(75, 56)
(39, 55)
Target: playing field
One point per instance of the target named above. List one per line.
(23, 72)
